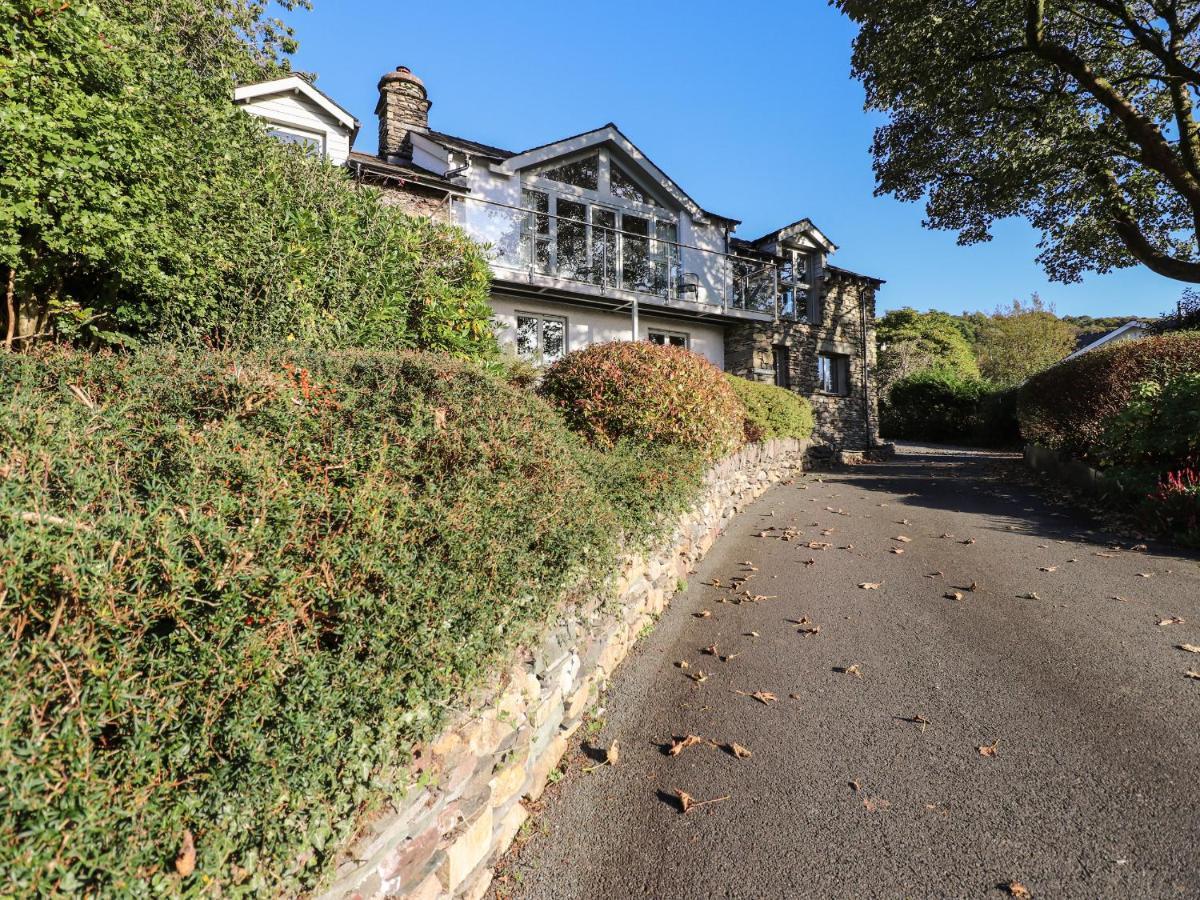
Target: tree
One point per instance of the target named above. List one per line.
(1078, 115)
(910, 342)
(1022, 340)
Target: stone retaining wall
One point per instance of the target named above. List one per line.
(466, 806)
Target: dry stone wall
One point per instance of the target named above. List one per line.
(466, 805)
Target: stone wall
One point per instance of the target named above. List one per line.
(465, 807)
(416, 200)
(843, 422)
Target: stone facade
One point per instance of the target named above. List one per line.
(403, 107)
(465, 805)
(415, 199)
(849, 421)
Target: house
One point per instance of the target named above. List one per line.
(589, 241)
(1130, 331)
(298, 113)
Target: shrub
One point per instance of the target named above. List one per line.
(933, 405)
(996, 423)
(1159, 427)
(1070, 406)
(239, 587)
(1174, 508)
(772, 412)
(643, 393)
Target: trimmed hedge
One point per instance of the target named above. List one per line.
(646, 394)
(941, 405)
(772, 412)
(238, 588)
(1069, 407)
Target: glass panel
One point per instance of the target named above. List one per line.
(782, 359)
(309, 142)
(753, 285)
(623, 186)
(504, 232)
(637, 273)
(583, 173)
(657, 337)
(527, 337)
(678, 340)
(787, 301)
(536, 229)
(572, 240)
(554, 339)
(666, 259)
(604, 247)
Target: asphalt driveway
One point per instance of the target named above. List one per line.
(1004, 707)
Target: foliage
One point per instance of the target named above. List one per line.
(1159, 426)
(933, 405)
(169, 213)
(1022, 340)
(648, 394)
(1076, 116)
(1174, 507)
(1185, 316)
(1069, 407)
(772, 412)
(909, 342)
(239, 587)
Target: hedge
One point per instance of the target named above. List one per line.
(237, 588)
(1069, 406)
(942, 405)
(772, 412)
(643, 393)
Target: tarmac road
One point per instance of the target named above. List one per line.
(873, 784)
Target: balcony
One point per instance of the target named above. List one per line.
(592, 259)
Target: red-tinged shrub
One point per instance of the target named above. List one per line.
(641, 392)
(1069, 407)
(1174, 509)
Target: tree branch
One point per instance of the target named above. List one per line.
(1131, 235)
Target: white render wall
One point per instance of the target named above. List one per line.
(292, 111)
(588, 326)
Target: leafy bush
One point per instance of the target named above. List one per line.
(239, 587)
(933, 405)
(771, 412)
(169, 213)
(646, 394)
(1159, 427)
(1174, 507)
(1070, 406)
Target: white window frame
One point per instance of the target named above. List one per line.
(539, 355)
(667, 335)
(318, 137)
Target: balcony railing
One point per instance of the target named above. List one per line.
(592, 253)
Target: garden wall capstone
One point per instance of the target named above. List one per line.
(469, 784)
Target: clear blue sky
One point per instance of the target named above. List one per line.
(749, 107)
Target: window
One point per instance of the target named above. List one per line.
(310, 142)
(669, 338)
(541, 339)
(622, 185)
(813, 301)
(536, 230)
(833, 373)
(572, 240)
(582, 173)
(781, 358)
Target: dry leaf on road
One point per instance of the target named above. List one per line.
(1192, 673)
(904, 539)
(613, 755)
(1190, 648)
(989, 749)
(763, 697)
(699, 677)
(1047, 568)
(876, 804)
(1032, 595)
(738, 750)
(679, 746)
(849, 670)
(703, 614)
(1145, 574)
(711, 650)
(1174, 620)
(688, 802)
(954, 595)
(810, 629)
(1016, 889)
(871, 585)
(897, 550)
(968, 541)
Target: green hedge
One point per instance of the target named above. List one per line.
(643, 393)
(237, 588)
(772, 412)
(941, 405)
(1069, 406)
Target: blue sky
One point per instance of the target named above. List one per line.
(749, 107)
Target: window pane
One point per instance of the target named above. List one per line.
(657, 337)
(604, 246)
(527, 337)
(572, 239)
(825, 373)
(583, 173)
(536, 231)
(554, 339)
(309, 142)
(624, 186)
(678, 340)
(637, 272)
(782, 358)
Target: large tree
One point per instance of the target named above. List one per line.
(1079, 116)
(1022, 340)
(910, 342)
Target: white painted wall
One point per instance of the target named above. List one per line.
(586, 326)
(293, 111)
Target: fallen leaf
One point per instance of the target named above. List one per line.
(1032, 595)
(613, 755)
(876, 804)
(683, 664)
(973, 587)
(897, 550)
(855, 786)
(711, 650)
(716, 582)
(988, 749)
(1016, 889)
(904, 522)
(1105, 555)
(1122, 599)
(904, 539)
(1174, 620)
(871, 585)
(953, 595)
(751, 634)
(1189, 648)
(687, 802)
(818, 545)
(763, 697)
(699, 676)
(185, 860)
(738, 750)
(1047, 568)
(1139, 548)
(936, 575)
(729, 656)
(946, 534)
(968, 541)
(1145, 574)
(678, 747)
(919, 719)
(1191, 673)
(811, 629)
(703, 614)
(795, 697)
(849, 670)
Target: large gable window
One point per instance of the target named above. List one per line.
(581, 173)
(626, 188)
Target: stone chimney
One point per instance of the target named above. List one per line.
(403, 107)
